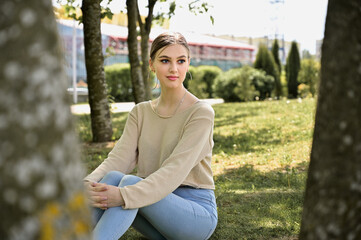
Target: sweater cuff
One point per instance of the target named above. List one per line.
(122, 203)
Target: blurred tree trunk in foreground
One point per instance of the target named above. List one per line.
(40, 170)
(332, 208)
(101, 122)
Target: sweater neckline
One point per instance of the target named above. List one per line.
(177, 113)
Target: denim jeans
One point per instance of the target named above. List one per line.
(186, 214)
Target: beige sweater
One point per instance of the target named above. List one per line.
(168, 152)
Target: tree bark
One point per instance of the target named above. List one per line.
(139, 92)
(101, 123)
(40, 171)
(332, 207)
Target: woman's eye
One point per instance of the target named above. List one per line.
(181, 61)
(164, 61)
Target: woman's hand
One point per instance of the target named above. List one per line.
(97, 194)
(104, 196)
(114, 197)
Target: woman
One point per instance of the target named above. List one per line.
(170, 140)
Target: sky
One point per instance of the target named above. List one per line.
(300, 20)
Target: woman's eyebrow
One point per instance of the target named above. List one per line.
(164, 56)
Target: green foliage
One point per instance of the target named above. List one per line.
(265, 61)
(309, 75)
(235, 85)
(292, 68)
(203, 81)
(119, 82)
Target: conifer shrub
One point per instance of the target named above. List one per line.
(292, 68)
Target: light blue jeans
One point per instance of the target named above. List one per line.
(186, 214)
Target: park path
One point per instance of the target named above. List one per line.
(79, 109)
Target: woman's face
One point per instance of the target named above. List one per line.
(171, 65)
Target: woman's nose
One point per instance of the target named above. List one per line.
(173, 67)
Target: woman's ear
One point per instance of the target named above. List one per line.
(151, 65)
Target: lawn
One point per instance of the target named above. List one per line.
(260, 161)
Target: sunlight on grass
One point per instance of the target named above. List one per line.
(260, 161)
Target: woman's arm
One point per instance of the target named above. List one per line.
(123, 156)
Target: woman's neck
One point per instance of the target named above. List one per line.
(171, 97)
(170, 102)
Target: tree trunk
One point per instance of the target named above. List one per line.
(40, 171)
(332, 207)
(135, 66)
(145, 64)
(98, 96)
(144, 33)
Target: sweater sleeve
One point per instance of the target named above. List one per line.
(195, 143)
(123, 156)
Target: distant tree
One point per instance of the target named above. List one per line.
(265, 61)
(306, 54)
(293, 66)
(332, 206)
(92, 13)
(40, 169)
(101, 122)
(275, 53)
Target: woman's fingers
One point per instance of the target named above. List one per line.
(99, 187)
(98, 199)
(103, 206)
(99, 202)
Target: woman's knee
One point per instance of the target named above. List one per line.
(129, 180)
(112, 178)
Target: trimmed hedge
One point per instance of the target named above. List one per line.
(119, 82)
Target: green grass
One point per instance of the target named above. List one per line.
(260, 161)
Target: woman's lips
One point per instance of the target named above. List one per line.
(172, 78)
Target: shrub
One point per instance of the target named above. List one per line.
(235, 85)
(202, 81)
(263, 83)
(309, 75)
(119, 82)
(195, 84)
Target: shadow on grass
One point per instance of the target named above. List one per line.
(246, 141)
(225, 113)
(259, 205)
